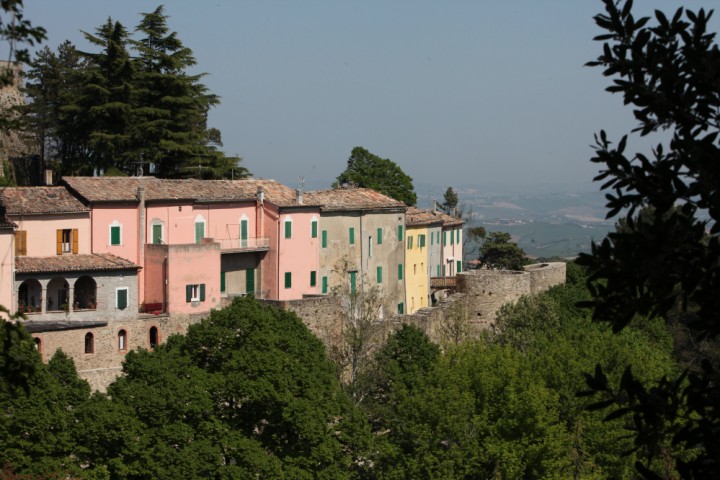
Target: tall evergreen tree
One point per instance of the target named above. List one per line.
(109, 99)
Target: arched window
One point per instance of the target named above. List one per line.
(153, 334)
(122, 340)
(89, 343)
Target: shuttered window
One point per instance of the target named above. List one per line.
(313, 278)
(223, 287)
(288, 279)
(313, 229)
(115, 235)
(288, 229)
(324, 239)
(400, 233)
(379, 236)
(400, 271)
(121, 298)
(351, 233)
(379, 275)
(20, 242)
(324, 284)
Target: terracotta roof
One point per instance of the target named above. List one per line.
(39, 200)
(5, 222)
(124, 189)
(339, 199)
(73, 263)
(415, 217)
(449, 220)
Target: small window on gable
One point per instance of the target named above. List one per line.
(314, 228)
(122, 340)
(89, 343)
(115, 234)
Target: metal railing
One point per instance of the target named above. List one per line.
(254, 243)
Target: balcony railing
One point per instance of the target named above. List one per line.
(248, 244)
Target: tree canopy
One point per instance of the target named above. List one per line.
(498, 251)
(665, 260)
(365, 169)
(125, 106)
(450, 202)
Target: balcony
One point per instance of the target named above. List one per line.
(237, 245)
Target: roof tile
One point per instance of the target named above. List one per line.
(39, 200)
(352, 198)
(73, 263)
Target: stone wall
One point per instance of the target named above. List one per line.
(321, 313)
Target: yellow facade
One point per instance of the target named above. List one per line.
(417, 273)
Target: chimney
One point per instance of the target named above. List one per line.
(48, 174)
(261, 195)
(299, 195)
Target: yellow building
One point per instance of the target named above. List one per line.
(421, 246)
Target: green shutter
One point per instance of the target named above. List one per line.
(353, 283)
(351, 232)
(444, 238)
(379, 235)
(222, 282)
(199, 231)
(157, 233)
(324, 239)
(288, 229)
(438, 270)
(400, 233)
(313, 227)
(288, 279)
(401, 308)
(122, 300)
(243, 229)
(115, 235)
(379, 274)
(313, 278)
(400, 271)
(459, 266)
(188, 293)
(324, 285)
(422, 241)
(202, 292)
(410, 242)
(250, 281)
(432, 238)
(452, 237)
(457, 235)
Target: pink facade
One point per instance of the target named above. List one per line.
(124, 216)
(298, 259)
(42, 233)
(193, 273)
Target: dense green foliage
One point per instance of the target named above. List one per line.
(365, 169)
(664, 261)
(450, 202)
(128, 105)
(498, 251)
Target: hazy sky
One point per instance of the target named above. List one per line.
(455, 92)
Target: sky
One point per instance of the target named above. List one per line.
(455, 92)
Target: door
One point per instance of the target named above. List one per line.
(243, 233)
(157, 234)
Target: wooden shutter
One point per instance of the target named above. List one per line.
(400, 233)
(324, 285)
(288, 279)
(222, 282)
(288, 229)
(59, 242)
(379, 236)
(250, 281)
(352, 235)
(122, 300)
(400, 271)
(20, 242)
(243, 229)
(114, 235)
(324, 239)
(202, 292)
(379, 274)
(188, 293)
(313, 278)
(313, 227)
(75, 240)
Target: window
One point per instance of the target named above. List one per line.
(324, 239)
(438, 270)
(153, 337)
(353, 283)
(288, 228)
(89, 343)
(400, 271)
(313, 228)
(115, 234)
(379, 274)
(379, 236)
(313, 278)
(400, 233)
(401, 308)
(410, 242)
(121, 298)
(457, 235)
(444, 238)
(351, 234)
(243, 231)
(324, 284)
(415, 269)
(195, 293)
(432, 238)
(20, 242)
(223, 287)
(421, 241)
(370, 246)
(452, 238)
(199, 228)
(157, 237)
(288, 279)
(459, 267)
(67, 241)
(250, 281)
(122, 340)
(38, 344)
